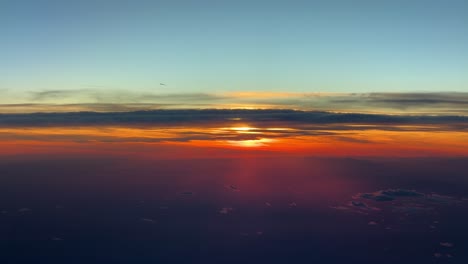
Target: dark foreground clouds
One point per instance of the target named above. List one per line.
(393, 206)
(399, 201)
(222, 116)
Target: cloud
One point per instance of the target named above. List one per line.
(406, 100)
(226, 210)
(430, 103)
(441, 103)
(114, 96)
(398, 208)
(164, 129)
(57, 94)
(400, 201)
(390, 195)
(148, 220)
(434, 103)
(309, 121)
(446, 244)
(24, 210)
(216, 125)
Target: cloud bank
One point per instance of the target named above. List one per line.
(111, 100)
(191, 116)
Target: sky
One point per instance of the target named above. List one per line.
(279, 131)
(114, 51)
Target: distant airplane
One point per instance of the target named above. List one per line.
(163, 84)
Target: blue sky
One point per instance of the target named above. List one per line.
(227, 46)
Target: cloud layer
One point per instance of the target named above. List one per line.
(224, 116)
(111, 100)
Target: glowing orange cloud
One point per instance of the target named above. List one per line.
(242, 139)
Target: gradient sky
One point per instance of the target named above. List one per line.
(226, 46)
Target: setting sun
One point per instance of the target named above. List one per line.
(251, 143)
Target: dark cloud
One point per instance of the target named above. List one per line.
(352, 140)
(399, 208)
(413, 209)
(402, 201)
(433, 103)
(359, 205)
(57, 94)
(404, 98)
(412, 99)
(437, 198)
(390, 195)
(300, 119)
(403, 101)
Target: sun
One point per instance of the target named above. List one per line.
(250, 143)
(243, 128)
(247, 143)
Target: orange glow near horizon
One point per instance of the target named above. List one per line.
(251, 143)
(242, 139)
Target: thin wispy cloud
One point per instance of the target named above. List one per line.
(120, 96)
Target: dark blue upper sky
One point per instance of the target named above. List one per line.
(221, 46)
